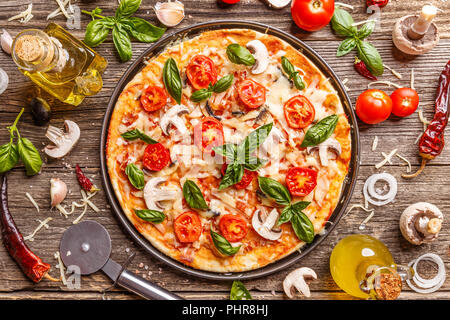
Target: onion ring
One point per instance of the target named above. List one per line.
(427, 285)
(369, 189)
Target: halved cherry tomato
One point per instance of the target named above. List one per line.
(301, 181)
(201, 71)
(233, 227)
(404, 102)
(312, 15)
(373, 106)
(252, 94)
(208, 134)
(299, 112)
(153, 98)
(156, 157)
(247, 178)
(188, 227)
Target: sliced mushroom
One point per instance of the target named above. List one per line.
(264, 226)
(213, 211)
(297, 280)
(153, 195)
(63, 141)
(259, 51)
(172, 117)
(278, 4)
(421, 223)
(329, 144)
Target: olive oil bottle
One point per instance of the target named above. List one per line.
(59, 63)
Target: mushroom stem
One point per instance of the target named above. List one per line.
(421, 25)
(434, 226)
(413, 175)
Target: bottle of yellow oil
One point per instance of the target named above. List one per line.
(59, 63)
(363, 267)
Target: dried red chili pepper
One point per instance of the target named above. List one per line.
(432, 141)
(84, 181)
(361, 67)
(378, 3)
(31, 264)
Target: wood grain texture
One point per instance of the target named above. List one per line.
(432, 186)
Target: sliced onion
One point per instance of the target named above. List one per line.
(370, 193)
(4, 80)
(427, 285)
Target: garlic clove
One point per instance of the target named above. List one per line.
(6, 41)
(58, 191)
(169, 13)
(278, 4)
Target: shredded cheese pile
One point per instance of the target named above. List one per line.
(39, 227)
(375, 143)
(60, 266)
(387, 159)
(85, 202)
(62, 9)
(388, 83)
(24, 16)
(394, 72)
(32, 201)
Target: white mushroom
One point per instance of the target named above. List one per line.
(172, 117)
(329, 144)
(421, 223)
(278, 4)
(259, 51)
(264, 226)
(153, 194)
(297, 280)
(63, 141)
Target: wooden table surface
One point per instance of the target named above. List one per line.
(433, 185)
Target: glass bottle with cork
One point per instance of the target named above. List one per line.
(59, 63)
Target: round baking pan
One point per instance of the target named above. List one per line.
(348, 185)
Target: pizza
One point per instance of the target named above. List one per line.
(228, 151)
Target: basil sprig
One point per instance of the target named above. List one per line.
(223, 245)
(320, 132)
(154, 216)
(220, 86)
(172, 79)
(292, 212)
(240, 55)
(135, 176)
(239, 291)
(293, 75)
(138, 134)
(123, 26)
(193, 195)
(342, 24)
(10, 153)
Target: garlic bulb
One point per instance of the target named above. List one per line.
(6, 41)
(169, 13)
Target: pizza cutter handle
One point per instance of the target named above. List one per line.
(144, 288)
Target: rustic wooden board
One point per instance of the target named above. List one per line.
(432, 186)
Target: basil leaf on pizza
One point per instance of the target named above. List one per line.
(275, 190)
(223, 84)
(239, 291)
(154, 216)
(320, 132)
(172, 79)
(254, 140)
(254, 163)
(303, 227)
(228, 150)
(138, 134)
(240, 55)
(233, 175)
(193, 195)
(223, 245)
(135, 176)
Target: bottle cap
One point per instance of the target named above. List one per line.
(28, 48)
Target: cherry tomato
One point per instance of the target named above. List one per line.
(247, 178)
(156, 157)
(201, 71)
(188, 227)
(153, 98)
(404, 102)
(208, 134)
(299, 112)
(301, 181)
(312, 15)
(252, 94)
(231, 1)
(233, 227)
(373, 106)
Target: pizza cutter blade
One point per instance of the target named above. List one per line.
(87, 245)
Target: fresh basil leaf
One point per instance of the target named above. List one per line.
(193, 196)
(97, 31)
(346, 46)
(141, 29)
(303, 227)
(135, 176)
(300, 205)
(122, 42)
(29, 156)
(254, 163)
(369, 54)
(239, 291)
(222, 244)
(287, 66)
(200, 95)
(138, 134)
(366, 30)
(223, 83)
(320, 132)
(127, 8)
(298, 81)
(228, 150)
(233, 175)
(154, 216)
(240, 55)
(9, 156)
(286, 215)
(342, 23)
(254, 140)
(275, 190)
(172, 79)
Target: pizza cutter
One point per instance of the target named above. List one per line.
(87, 245)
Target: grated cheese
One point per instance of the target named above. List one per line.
(388, 83)
(394, 72)
(85, 203)
(412, 78)
(32, 201)
(423, 119)
(61, 268)
(407, 162)
(344, 82)
(365, 208)
(375, 143)
(24, 16)
(362, 226)
(59, 11)
(344, 5)
(363, 22)
(387, 158)
(39, 227)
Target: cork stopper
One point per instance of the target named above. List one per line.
(28, 48)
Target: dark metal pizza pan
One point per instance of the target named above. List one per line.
(347, 188)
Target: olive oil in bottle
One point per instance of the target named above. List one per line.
(59, 63)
